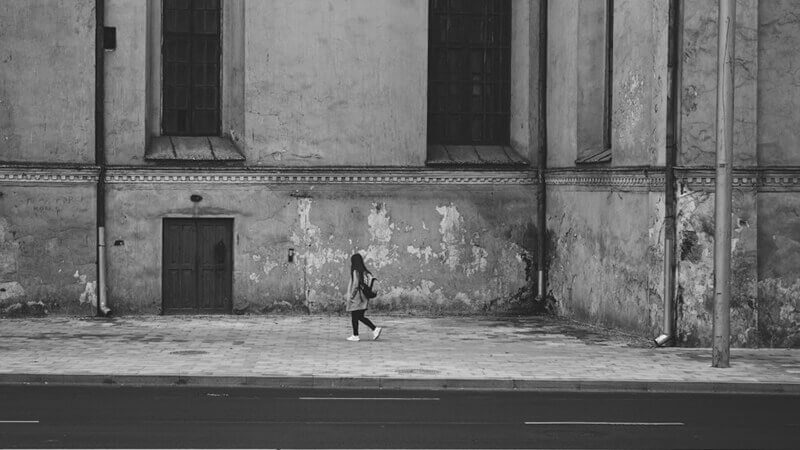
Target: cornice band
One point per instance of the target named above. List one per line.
(48, 175)
(22, 174)
(613, 179)
(770, 179)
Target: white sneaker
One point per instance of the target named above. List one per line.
(353, 338)
(376, 332)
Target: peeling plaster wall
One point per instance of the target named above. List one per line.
(764, 273)
(699, 80)
(605, 266)
(47, 81)
(778, 82)
(448, 249)
(695, 267)
(47, 247)
(336, 82)
(779, 269)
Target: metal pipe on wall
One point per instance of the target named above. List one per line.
(720, 354)
(669, 332)
(542, 156)
(100, 157)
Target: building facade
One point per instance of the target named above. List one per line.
(235, 153)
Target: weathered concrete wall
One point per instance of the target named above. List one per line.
(47, 247)
(779, 269)
(562, 79)
(695, 268)
(47, 81)
(778, 93)
(452, 249)
(639, 85)
(591, 67)
(639, 105)
(606, 254)
(525, 36)
(605, 266)
(306, 83)
(699, 79)
(125, 82)
(336, 82)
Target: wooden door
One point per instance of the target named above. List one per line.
(197, 266)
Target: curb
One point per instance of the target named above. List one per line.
(309, 382)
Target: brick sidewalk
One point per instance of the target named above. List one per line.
(494, 352)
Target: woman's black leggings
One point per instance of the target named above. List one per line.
(359, 315)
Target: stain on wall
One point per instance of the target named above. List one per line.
(47, 88)
(452, 249)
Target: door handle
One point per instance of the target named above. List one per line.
(219, 252)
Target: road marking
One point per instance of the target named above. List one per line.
(373, 398)
(322, 422)
(644, 424)
(19, 421)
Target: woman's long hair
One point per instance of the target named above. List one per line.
(357, 264)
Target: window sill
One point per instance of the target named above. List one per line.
(472, 156)
(595, 157)
(192, 148)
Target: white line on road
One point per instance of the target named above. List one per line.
(373, 398)
(640, 424)
(19, 421)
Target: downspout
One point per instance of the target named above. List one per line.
(670, 204)
(99, 154)
(542, 156)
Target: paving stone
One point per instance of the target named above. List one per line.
(414, 350)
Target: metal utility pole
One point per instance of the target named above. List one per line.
(720, 354)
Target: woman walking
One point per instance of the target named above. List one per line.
(356, 300)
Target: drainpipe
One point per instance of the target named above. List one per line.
(542, 157)
(99, 154)
(670, 205)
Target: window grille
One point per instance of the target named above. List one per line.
(469, 72)
(191, 53)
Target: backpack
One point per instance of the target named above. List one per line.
(367, 289)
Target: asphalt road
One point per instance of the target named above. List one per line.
(113, 416)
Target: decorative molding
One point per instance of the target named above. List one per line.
(33, 174)
(367, 175)
(762, 179)
(625, 179)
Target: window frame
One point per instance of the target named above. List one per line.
(164, 33)
(502, 82)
